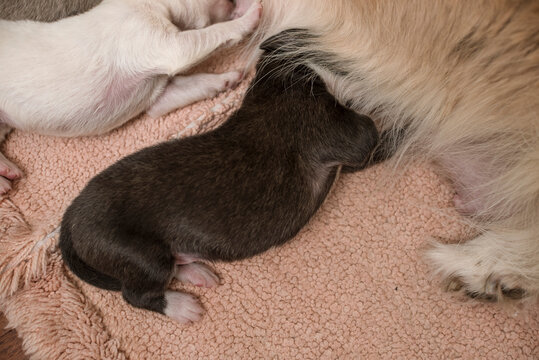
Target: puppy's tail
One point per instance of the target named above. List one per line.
(81, 269)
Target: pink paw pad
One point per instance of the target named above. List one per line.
(197, 274)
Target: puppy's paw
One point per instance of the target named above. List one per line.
(222, 82)
(183, 308)
(230, 80)
(8, 171)
(5, 185)
(197, 274)
(252, 16)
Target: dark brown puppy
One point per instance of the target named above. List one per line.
(225, 195)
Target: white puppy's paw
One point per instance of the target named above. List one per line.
(182, 307)
(8, 172)
(230, 80)
(251, 18)
(197, 274)
(222, 82)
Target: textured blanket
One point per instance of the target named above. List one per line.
(351, 285)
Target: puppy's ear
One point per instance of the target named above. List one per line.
(287, 41)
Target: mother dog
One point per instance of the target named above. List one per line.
(457, 83)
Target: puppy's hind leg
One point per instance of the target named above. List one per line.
(8, 170)
(197, 274)
(145, 267)
(190, 271)
(185, 90)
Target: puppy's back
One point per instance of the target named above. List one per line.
(43, 10)
(235, 191)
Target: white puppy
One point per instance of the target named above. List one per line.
(90, 73)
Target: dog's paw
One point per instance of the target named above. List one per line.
(230, 80)
(492, 290)
(464, 270)
(223, 82)
(182, 307)
(252, 16)
(8, 173)
(197, 274)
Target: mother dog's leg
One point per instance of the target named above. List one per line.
(496, 265)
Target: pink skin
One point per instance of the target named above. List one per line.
(190, 271)
(468, 176)
(466, 206)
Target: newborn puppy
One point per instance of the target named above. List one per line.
(90, 73)
(225, 195)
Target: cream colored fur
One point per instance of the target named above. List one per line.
(90, 73)
(463, 77)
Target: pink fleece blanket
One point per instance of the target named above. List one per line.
(351, 285)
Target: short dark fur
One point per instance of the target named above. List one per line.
(226, 195)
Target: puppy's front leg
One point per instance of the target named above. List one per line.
(184, 49)
(185, 90)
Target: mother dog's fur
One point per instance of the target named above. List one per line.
(460, 81)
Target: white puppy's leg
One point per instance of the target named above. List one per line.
(493, 266)
(180, 52)
(185, 90)
(8, 170)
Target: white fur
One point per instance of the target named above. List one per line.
(182, 307)
(91, 73)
